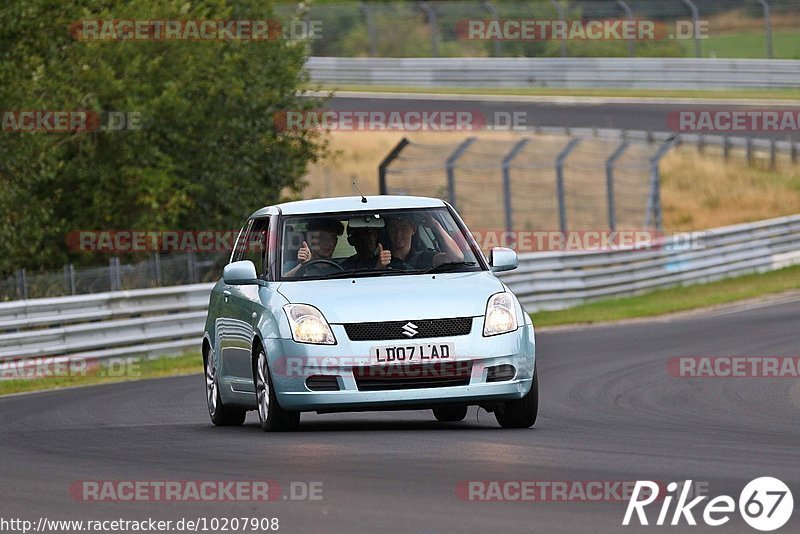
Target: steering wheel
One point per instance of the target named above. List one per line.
(303, 268)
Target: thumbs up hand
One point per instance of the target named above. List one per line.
(384, 257)
(304, 254)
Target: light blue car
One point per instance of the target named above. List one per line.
(366, 303)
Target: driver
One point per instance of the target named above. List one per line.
(401, 229)
(322, 235)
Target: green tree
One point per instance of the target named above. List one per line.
(208, 151)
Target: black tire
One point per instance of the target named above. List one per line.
(271, 416)
(220, 414)
(521, 413)
(450, 414)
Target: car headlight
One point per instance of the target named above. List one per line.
(308, 325)
(501, 315)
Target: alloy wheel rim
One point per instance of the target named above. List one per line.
(262, 387)
(211, 384)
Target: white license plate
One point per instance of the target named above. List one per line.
(412, 353)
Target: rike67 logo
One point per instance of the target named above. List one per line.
(765, 504)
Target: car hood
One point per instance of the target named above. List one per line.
(396, 298)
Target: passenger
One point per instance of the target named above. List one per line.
(322, 236)
(401, 229)
(369, 254)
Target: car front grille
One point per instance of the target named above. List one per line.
(392, 377)
(424, 328)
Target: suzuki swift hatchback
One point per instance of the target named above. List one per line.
(366, 303)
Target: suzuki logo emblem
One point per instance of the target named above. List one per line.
(410, 330)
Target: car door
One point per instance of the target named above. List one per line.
(227, 324)
(241, 316)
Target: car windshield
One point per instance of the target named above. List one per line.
(375, 243)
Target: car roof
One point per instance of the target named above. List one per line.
(339, 204)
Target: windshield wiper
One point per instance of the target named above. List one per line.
(444, 267)
(363, 270)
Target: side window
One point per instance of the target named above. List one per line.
(256, 245)
(239, 248)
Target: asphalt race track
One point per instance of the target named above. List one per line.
(543, 111)
(609, 412)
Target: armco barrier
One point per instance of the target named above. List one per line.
(142, 322)
(557, 280)
(170, 320)
(628, 73)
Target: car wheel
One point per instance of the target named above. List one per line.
(221, 415)
(521, 413)
(450, 414)
(273, 418)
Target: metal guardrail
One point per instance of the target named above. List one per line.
(142, 322)
(160, 321)
(557, 280)
(628, 73)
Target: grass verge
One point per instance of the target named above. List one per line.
(675, 299)
(748, 45)
(761, 94)
(123, 370)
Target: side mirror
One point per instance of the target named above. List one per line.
(239, 273)
(503, 259)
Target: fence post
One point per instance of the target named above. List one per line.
(114, 275)
(773, 156)
(373, 39)
(698, 52)
(451, 165)
(767, 26)
(22, 284)
(191, 267)
(628, 16)
(157, 266)
(562, 207)
(792, 150)
(434, 24)
(507, 182)
(653, 210)
(487, 5)
(560, 11)
(726, 147)
(390, 157)
(610, 162)
(701, 143)
(749, 148)
(69, 278)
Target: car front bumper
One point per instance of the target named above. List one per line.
(474, 351)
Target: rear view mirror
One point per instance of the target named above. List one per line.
(367, 221)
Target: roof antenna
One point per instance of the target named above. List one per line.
(355, 186)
